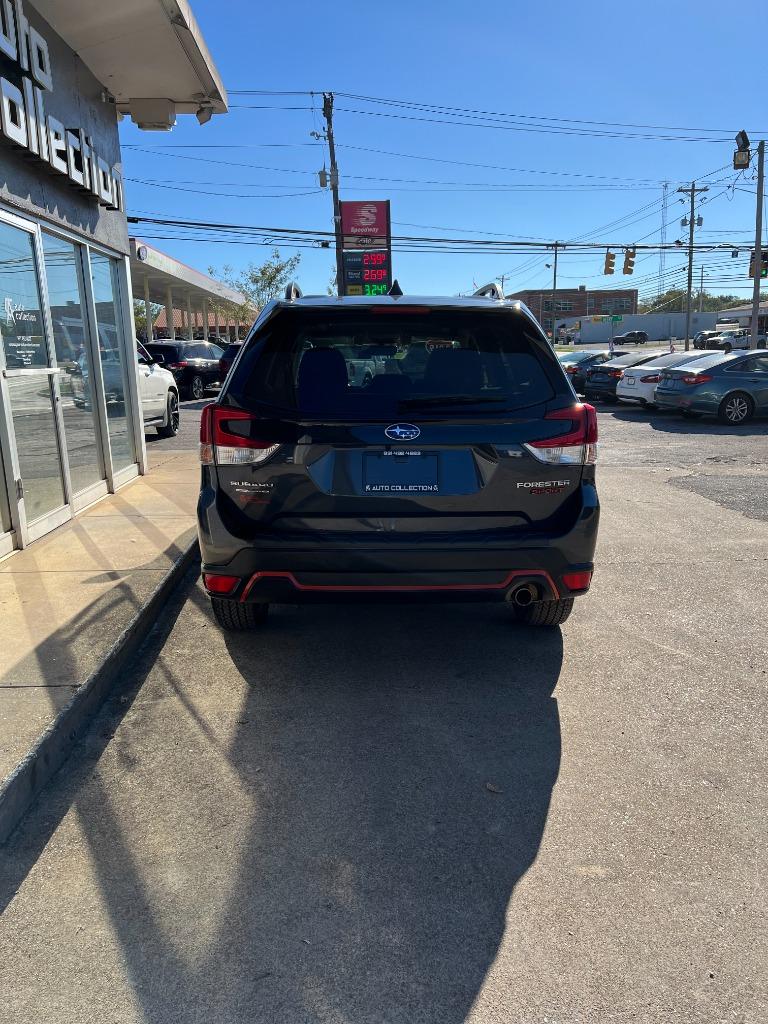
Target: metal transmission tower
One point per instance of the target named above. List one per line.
(662, 251)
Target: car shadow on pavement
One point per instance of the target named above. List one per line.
(674, 423)
(397, 764)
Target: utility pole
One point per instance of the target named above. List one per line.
(663, 238)
(757, 263)
(554, 290)
(692, 191)
(328, 115)
(701, 290)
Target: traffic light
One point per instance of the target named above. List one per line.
(610, 262)
(763, 264)
(629, 262)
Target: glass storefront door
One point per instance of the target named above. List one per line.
(29, 387)
(112, 353)
(68, 391)
(74, 358)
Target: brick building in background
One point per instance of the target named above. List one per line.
(581, 301)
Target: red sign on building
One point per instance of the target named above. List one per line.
(365, 223)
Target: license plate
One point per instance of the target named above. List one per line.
(598, 377)
(671, 384)
(407, 474)
(629, 382)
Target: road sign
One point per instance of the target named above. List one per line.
(617, 319)
(365, 224)
(367, 273)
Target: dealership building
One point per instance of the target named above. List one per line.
(68, 73)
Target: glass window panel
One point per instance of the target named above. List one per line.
(74, 357)
(30, 395)
(105, 293)
(36, 441)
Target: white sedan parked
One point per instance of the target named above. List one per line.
(638, 383)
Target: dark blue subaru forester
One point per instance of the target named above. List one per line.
(460, 466)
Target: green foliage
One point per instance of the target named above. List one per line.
(674, 301)
(140, 316)
(258, 283)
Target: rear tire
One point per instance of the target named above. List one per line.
(545, 613)
(171, 425)
(197, 388)
(235, 617)
(736, 408)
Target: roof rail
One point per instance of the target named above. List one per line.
(292, 292)
(490, 291)
(395, 290)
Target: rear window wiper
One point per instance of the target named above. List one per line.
(449, 400)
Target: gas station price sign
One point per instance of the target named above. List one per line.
(368, 273)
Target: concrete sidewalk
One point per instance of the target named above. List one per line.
(67, 600)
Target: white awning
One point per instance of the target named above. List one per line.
(159, 271)
(150, 55)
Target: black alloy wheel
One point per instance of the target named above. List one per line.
(197, 387)
(172, 418)
(736, 408)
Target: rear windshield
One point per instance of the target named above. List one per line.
(166, 352)
(361, 365)
(712, 359)
(576, 357)
(631, 359)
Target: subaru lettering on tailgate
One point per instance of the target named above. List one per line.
(402, 432)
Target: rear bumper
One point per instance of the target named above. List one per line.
(642, 393)
(451, 567)
(600, 390)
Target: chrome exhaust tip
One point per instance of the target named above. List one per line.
(524, 595)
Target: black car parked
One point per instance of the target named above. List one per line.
(462, 469)
(602, 379)
(577, 364)
(631, 338)
(194, 364)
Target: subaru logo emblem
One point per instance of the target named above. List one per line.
(402, 432)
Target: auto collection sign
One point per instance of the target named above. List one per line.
(67, 151)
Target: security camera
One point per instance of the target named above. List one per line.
(204, 114)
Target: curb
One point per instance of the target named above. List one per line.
(53, 747)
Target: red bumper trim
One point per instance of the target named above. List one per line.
(397, 588)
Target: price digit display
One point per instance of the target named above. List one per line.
(368, 273)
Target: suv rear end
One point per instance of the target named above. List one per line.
(462, 469)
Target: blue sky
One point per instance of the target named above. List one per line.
(674, 64)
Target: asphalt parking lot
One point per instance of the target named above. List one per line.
(401, 814)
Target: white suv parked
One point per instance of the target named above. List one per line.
(159, 394)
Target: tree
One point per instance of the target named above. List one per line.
(674, 301)
(140, 315)
(258, 283)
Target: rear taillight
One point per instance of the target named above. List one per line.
(696, 378)
(226, 438)
(178, 366)
(577, 447)
(217, 584)
(616, 373)
(652, 378)
(577, 580)
(571, 369)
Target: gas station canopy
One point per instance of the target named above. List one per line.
(158, 278)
